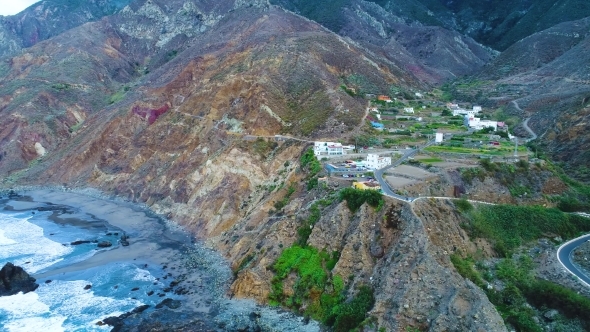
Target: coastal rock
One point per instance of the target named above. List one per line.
(13, 279)
(170, 303)
(104, 244)
(87, 287)
(124, 240)
(76, 243)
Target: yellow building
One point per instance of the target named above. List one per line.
(366, 185)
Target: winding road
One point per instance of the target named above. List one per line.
(525, 124)
(564, 255)
(385, 186)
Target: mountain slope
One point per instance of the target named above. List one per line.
(497, 24)
(433, 54)
(49, 18)
(545, 76)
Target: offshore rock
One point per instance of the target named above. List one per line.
(13, 279)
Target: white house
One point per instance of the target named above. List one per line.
(439, 138)
(409, 110)
(462, 111)
(376, 162)
(478, 124)
(477, 109)
(328, 148)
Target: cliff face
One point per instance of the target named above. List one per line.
(404, 258)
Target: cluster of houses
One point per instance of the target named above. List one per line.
(373, 161)
(470, 119)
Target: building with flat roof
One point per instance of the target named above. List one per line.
(479, 124)
(375, 162)
(328, 148)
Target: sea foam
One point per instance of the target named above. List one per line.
(23, 243)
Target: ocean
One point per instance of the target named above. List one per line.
(61, 303)
(80, 284)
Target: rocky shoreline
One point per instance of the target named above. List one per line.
(197, 277)
(14, 279)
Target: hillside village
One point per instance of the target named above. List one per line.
(416, 131)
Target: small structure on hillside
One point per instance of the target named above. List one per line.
(478, 124)
(439, 138)
(409, 110)
(328, 148)
(367, 185)
(376, 162)
(377, 125)
(384, 98)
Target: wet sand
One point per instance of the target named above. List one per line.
(151, 240)
(199, 274)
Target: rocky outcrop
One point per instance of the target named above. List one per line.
(13, 279)
(420, 291)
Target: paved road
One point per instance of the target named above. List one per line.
(385, 186)
(525, 124)
(564, 255)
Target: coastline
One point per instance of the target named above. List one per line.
(197, 275)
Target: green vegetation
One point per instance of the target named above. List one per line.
(520, 287)
(76, 127)
(509, 227)
(310, 163)
(117, 97)
(466, 268)
(317, 290)
(430, 160)
(362, 83)
(304, 231)
(501, 151)
(463, 205)
(61, 86)
(282, 203)
(577, 198)
(355, 198)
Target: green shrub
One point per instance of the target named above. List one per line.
(355, 198)
(309, 161)
(509, 226)
(465, 268)
(350, 315)
(304, 231)
(463, 205)
(315, 288)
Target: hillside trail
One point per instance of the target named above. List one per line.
(525, 123)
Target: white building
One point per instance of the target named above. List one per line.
(462, 111)
(478, 124)
(439, 138)
(409, 110)
(328, 148)
(376, 162)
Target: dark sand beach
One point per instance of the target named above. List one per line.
(198, 276)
